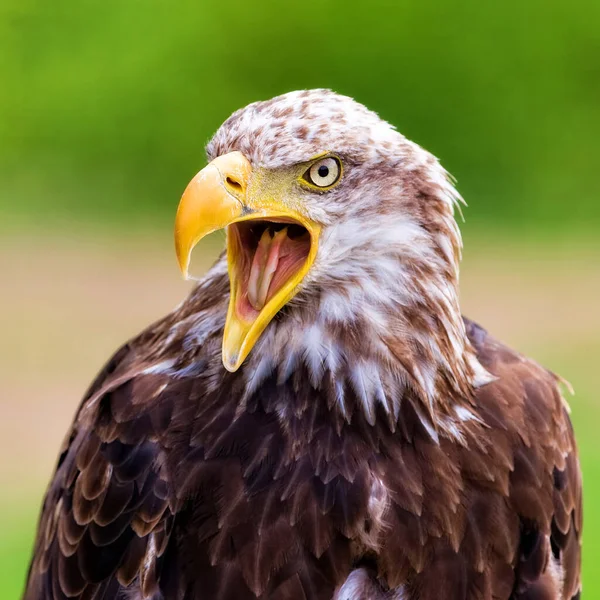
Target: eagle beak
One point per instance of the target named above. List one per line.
(270, 246)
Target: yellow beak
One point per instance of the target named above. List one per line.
(218, 197)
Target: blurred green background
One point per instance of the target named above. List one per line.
(105, 108)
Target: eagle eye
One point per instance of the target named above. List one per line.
(324, 173)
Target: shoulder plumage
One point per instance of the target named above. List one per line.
(107, 514)
(528, 424)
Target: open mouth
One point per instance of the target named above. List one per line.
(272, 245)
(267, 254)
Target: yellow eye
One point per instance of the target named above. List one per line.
(324, 173)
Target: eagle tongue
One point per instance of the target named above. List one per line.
(264, 266)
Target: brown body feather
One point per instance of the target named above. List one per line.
(164, 491)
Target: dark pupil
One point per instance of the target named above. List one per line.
(323, 171)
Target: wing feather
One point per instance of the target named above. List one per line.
(544, 491)
(108, 502)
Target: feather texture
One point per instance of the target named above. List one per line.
(374, 446)
(213, 503)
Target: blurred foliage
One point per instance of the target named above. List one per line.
(105, 106)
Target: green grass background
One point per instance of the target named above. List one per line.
(105, 108)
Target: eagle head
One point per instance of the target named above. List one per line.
(340, 227)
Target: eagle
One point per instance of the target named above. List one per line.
(316, 421)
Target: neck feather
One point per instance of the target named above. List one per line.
(379, 327)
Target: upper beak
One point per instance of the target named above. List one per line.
(216, 198)
(212, 200)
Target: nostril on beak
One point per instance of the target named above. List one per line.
(234, 184)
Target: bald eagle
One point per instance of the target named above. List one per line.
(316, 421)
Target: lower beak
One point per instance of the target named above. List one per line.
(270, 247)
